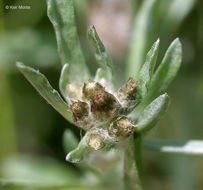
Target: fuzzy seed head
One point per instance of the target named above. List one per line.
(121, 129)
(103, 105)
(79, 110)
(100, 99)
(127, 95)
(128, 90)
(96, 142)
(131, 87)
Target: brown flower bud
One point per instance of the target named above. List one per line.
(96, 142)
(100, 100)
(80, 112)
(89, 88)
(121, 128)
(127, 95)
(103, 105)
(128, 90)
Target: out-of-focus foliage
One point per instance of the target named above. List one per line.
(30, 46)
(189, 147)
(154, 19)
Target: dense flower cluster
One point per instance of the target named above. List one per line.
(101, 113)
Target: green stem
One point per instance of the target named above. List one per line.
(132, 164)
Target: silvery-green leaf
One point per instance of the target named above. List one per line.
(78, 154)
(102, 56)
(142, 36)
(152, 113)
(61, 14)
(191, 147)
(42, 85)
(163, 76)
(147, 70)
(167, 70)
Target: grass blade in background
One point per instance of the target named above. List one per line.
(191, 147)
(42, 85)
(153, 113)
(154, 19)
(147, 70)
(177, 11)
(142, 37)
(61, 13)
(102, 56)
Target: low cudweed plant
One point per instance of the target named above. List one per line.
(113, 119)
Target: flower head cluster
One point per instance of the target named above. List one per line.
(101, 113)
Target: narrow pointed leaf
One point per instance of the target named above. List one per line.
(167, 70)
(42, 85)
(78, 154)
(147, 69)
(61, 14)
(191, 147)
(102, 56)
(153, 113)
(163, 76)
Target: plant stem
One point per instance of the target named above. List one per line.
(132, 164)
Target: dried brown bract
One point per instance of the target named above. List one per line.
(121, 128)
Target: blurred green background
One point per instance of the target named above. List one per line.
(33, 129)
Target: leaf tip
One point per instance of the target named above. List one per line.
(73, 157)
(92, 27)
(177, 42)
(157, 41)
(165, 96)
(91, 31)
(68, 157)
(19, 65)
